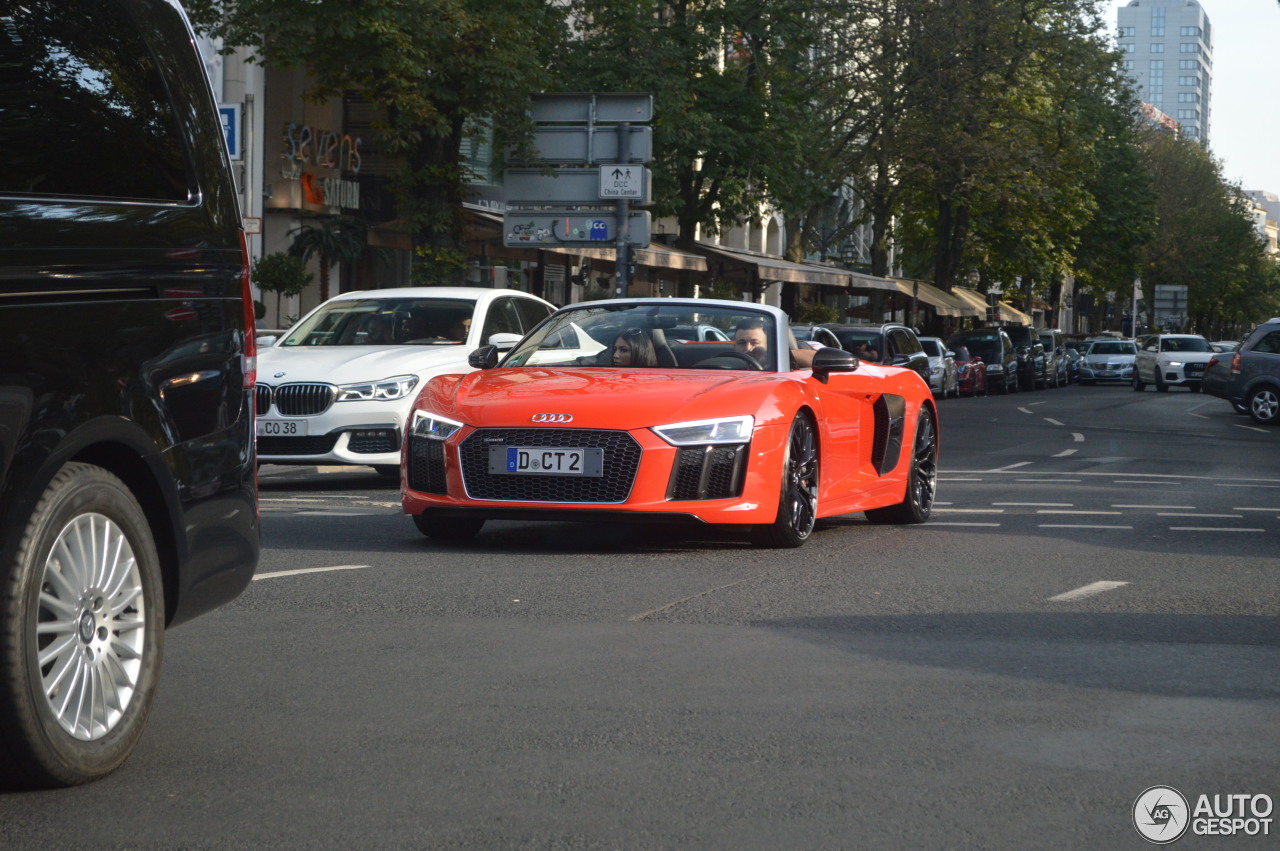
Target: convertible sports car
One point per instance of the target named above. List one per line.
(700, 431)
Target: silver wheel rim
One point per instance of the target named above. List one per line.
(89, 626)
(1265, 405)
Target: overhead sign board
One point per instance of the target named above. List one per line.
(593, 107)
(590, 145)
(576, 186)
(571, 228)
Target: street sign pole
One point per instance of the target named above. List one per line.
(623, 258)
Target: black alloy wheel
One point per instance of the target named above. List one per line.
(798, 499)
(922, 478)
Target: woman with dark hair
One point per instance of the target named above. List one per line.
(634, 348)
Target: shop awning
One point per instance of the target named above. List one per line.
(943, 302)
(771, 268)
(1007, 312)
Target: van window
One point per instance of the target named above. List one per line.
(78, 122)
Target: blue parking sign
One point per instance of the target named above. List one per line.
(230, 114)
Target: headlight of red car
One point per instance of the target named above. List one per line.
(702, 432)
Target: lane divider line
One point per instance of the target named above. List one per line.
(303, 570)
(1077, 437)
(1079, 526)
(1211, 529)
(1090, 590)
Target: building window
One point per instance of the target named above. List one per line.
(1157, 66)
(1128, 32)
(1188, 97)
(1189, 47)
(1127, 47)
(1157, 47)
(1189, 81)
(1128, 64)
(1188, 65)
(1191, 31)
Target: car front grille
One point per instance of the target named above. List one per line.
(369, 441)
(1194, 368)
(621, 461)
(297, 400)
(708, 472)
(319, 445)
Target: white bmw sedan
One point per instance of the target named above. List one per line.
(338, 386)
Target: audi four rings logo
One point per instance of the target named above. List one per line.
(553, 418)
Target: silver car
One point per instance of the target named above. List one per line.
(944, 379)
(1108, 360)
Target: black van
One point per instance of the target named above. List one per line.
(128, 497)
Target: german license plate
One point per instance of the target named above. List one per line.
(546, 461)
(282, 428)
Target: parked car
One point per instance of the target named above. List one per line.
(971, 373)
(1108, 360)
(995, 348)
(720, 437)
(889, 344)
(943, 380)
(338, 387)
(1057, 357)
(128, 496)
(1171, 360)
(1224, 345)
(1033, 362)
(1249, 377)
(815, 336)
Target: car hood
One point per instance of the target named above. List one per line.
(349, 364)
(1185, 357)
(596, 398)
(1096, 359)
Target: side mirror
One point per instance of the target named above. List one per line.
(901, 360)
(504, 341)
(951, 354)
(828, 360)
(485, 357)
(266, 340)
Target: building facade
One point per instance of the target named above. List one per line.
(1168, 52)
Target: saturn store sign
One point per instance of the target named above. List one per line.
(307, 153)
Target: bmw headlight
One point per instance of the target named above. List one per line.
(433, 426)
(702, 432)
(387, 388)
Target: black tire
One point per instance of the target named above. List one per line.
(1138, 384)
(448, 528)
(84, 590)
(1194, 388)
(1161, 387)
(922, 478)
(1264, 405)
(798, 495)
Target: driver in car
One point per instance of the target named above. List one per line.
(749, 339)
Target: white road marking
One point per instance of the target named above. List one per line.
(1026, 410)
(1052, 420)
(1211, 529)
(288, 499)
(341, 512)
(1047, 481)
(1064, 453)
(1197, 514)
(1252, 428)
(1010, 467)
(1090, 590)
(971, 479)
(1220, 485)
(1135, 482)
(971, 510)
(1077, 437)
(933, 523)
(1079, 526)
(309, 570)
(1060, 511)
(1032, 504)
(1277, 510)
(1201, 416)
(1139, 505)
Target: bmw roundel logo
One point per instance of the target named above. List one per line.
(278, 375)
(553, 418)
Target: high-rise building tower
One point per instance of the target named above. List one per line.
(1168, 52)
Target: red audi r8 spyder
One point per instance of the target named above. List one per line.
(598, 415)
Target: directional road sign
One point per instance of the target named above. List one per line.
(571, 228)
(577, 186)
(593, 107)
(589, 145)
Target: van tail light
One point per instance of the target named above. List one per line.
(250, 318)
(1235, 364)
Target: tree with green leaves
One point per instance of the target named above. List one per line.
(332, 240)
(282, 274)
(440, 71)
